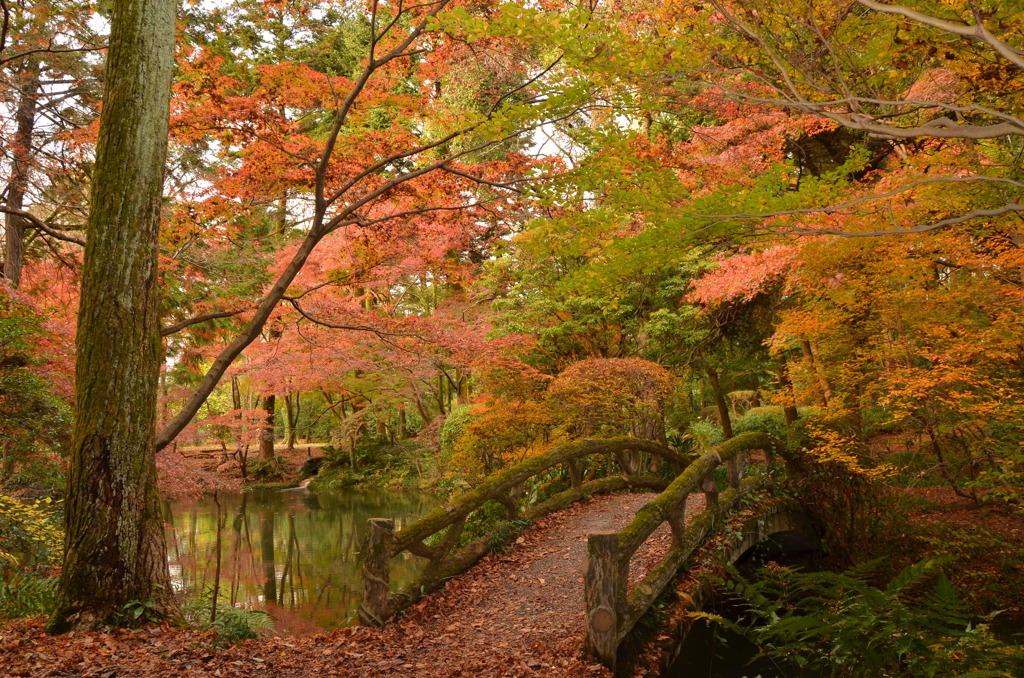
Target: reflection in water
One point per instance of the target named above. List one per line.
(292, 553)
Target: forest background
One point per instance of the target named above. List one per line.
(430, 240)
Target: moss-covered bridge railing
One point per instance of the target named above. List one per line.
(612, 610)
(446, 524)
(611, 613)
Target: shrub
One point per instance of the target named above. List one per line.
(612, 396)
(707, 434)
(30, 537)
(35, 389)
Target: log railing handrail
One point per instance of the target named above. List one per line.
(499, 483)
(377, 605)
(611, 610)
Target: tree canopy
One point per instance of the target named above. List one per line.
(447, 235)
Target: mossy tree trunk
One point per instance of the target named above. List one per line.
(114, 550)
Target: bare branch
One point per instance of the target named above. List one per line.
(49, 50)
(294, 301)
(941, 127)
(840, 209)
(479, 180)
(1010, 208)
(977, 31)
(42, 225)
(177, 327)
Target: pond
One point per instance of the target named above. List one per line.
(293, 553)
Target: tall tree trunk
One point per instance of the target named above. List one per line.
(25, 119)
(825, 389)
(723, 407)
(267, 434)
(114, 549)
(292, 409)
(789, 410)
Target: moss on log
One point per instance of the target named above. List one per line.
(647, 590)
(498, 484)
(668, 502)
(469, 555)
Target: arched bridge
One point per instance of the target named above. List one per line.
(636, 551)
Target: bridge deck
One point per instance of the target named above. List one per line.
(512, 615)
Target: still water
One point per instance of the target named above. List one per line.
(293, 553)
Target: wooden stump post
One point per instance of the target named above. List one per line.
(574, 472)
(373, 609)
(707, 485)
(735, 471)
(677, 520)
(601, 591)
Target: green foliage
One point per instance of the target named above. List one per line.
(267, 469)
(27, 595)
(768, 420)
(706, 433)
(456, 422)
(137, 613)
(35, 420)
(491, 519)
(842, 625)
(232, 625)
(30, 537)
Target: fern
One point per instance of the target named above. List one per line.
(841, 626)
(234, 625)
(26, 595)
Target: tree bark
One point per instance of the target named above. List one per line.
(114, 549)
(14, 226)
(789, 410)
(723, 407)
(292, 408)
(267, 435)
(825, 393)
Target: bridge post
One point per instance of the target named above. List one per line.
(373, 609)
(735, 465)
(601, 582)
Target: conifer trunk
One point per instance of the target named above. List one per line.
(14, 226)
(114, 548)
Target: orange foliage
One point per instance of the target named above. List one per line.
(612, 396)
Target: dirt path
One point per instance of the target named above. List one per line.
(515, 614)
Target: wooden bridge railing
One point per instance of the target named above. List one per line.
(381, 544)
(611, 609)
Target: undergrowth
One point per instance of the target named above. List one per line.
(231, 625)
(851, 625)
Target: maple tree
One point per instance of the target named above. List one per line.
(540, 222)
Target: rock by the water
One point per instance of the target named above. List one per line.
(310, 467)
